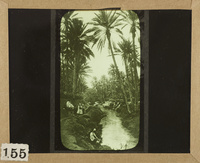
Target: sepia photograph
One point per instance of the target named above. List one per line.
(100, 80)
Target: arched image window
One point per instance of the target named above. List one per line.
(100, 67)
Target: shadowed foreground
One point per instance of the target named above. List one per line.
(110, 129)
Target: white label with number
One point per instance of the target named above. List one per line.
(14, 152)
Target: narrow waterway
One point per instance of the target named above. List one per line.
(114, 134)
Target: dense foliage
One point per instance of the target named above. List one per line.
(77, 41)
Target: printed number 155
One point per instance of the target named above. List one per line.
(14, 153)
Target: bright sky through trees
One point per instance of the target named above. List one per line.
(102, 60)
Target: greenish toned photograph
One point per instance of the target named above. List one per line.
(100, 67)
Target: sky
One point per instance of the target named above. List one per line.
(102, 61)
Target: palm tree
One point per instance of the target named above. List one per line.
(77, 47)
(131, 18)
(125, 49)
(83, 70)
(105, 23)
(66, 53)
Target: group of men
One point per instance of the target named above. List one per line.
(70, 107)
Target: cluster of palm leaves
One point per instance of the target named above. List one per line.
(75, 51)
(74, 55)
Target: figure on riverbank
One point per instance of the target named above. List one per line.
(93, 136)
(70, 107)
(80, 109)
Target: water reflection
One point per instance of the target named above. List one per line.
(114, 134)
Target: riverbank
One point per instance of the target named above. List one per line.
(116, 130)
(131, 123)
(75, 129)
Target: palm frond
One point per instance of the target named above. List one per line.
(112, 18)
(118, 31)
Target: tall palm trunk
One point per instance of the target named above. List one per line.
(118, 73)
(132, 74)
(128, 81)
(66, 70)
(135, 70)
(74, 77)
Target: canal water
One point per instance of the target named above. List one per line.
(114, 134)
